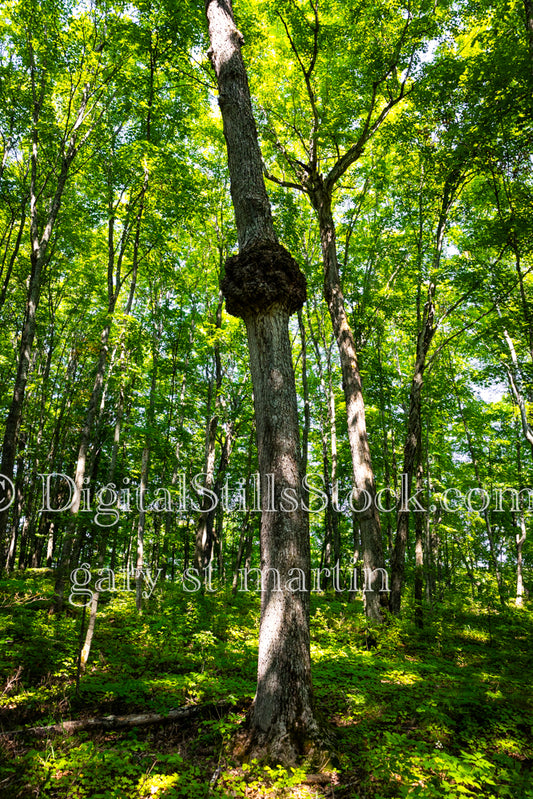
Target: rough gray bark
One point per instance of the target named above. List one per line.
(264, 285)
(282, 713)
(364, 490)
(253, 216)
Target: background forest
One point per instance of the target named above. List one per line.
(396, 139)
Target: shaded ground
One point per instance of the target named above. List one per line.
(443, 712)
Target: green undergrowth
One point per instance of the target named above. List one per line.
(446, 711)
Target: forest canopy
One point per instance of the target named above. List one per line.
(394, 143)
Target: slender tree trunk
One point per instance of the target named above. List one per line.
(364, 490)
(528, 9)
(81, 462)
(170, 515)
(145, 461)
(469, 564)
(244, 544)
(427, 327)
(42, 225)
(513, 373)
(204, 531)
(485, 513)
(141, 524)
(38, 260)
(430, 534)
(264, 285)
(334, 504)
(245, 533)
(13, 257)
(215, 517)
(114, 285)
(386, 456)
(414, 426)
(17, 510)
(419, 548)
(307, 412)
(520, 541)
(326, 553)
(50, 544)
(520, 536)
(331, 544)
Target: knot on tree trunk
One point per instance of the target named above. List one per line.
(261, 277)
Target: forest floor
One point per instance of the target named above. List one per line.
(446, 711)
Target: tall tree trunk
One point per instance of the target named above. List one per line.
(264, 285)
(246, 531)
(39, 252)
(42, 225)
(170, 515)
(282, 714)
(364, 490)
(333, 506)
(433, 518)
(204, 531)
(307, 411)
(81, 462)
(13, 256)
(114, 285)
(17, 510)
(515, 381)
(528, 9)
(521, 535)
(419, 547)
(386, 458)
(427, 327)
(145, 461)
(485, 513)
(215, 515)
(520, 541)
(413, 437)
(141, 524)
(331, 544)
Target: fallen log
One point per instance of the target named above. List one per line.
(119, 722)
